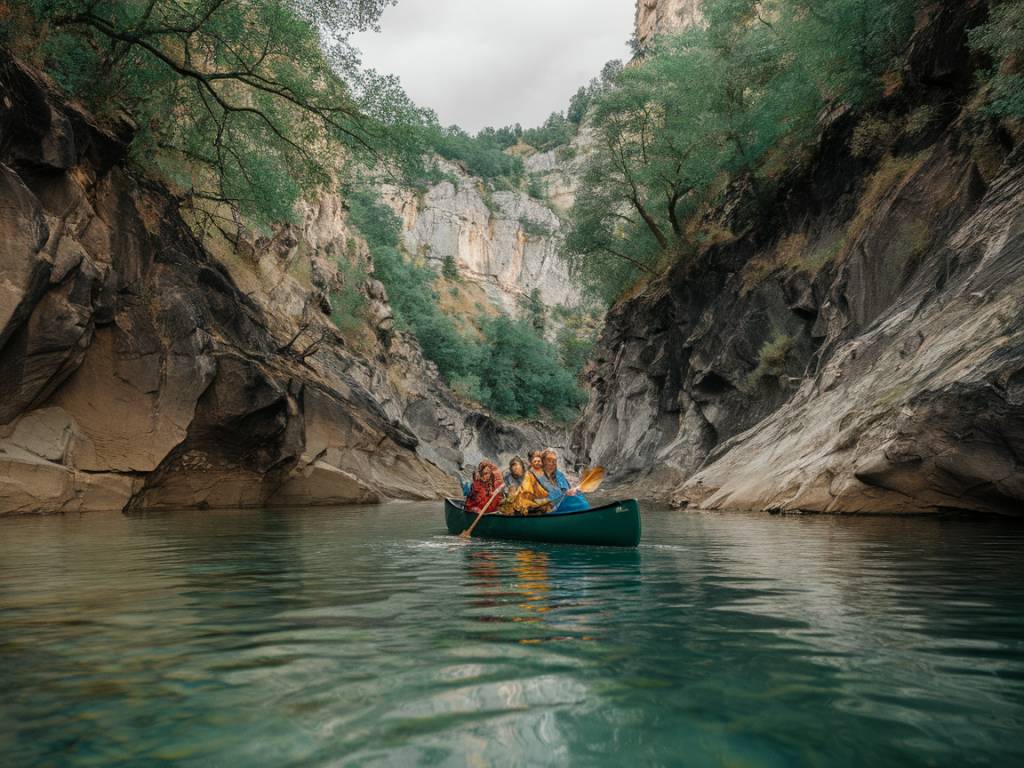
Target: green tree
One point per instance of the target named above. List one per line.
(575, 343)
(578, 105)
(535, 311)
(236, 100)
(523, 375)
(708, 105)
(449, 268)
(482, 156)
(657, 147)
(555, 132)
(844, 45)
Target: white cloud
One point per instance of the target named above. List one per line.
(497, 62)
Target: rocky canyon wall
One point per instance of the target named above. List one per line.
(858, 346)
(141, 368)
(505, 241)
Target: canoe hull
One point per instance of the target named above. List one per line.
(611, 525)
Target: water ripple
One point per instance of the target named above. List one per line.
(368, 637)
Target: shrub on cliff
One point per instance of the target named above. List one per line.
(522, 374)
(1002, 38)
(481, 157)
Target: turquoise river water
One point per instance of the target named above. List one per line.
(369, 637)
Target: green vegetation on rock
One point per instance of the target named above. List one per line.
(713, 105)
(233, 101)
(510, 368)
(771, 359)
(1002, 38)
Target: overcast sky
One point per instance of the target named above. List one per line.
(497, 62)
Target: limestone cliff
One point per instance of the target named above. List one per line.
(659, 17)
(505, 241)
(561, 169)
(857, 346)
(142, 368)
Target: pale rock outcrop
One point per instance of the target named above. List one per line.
(560, 170)
(660, 17)
(505, 241)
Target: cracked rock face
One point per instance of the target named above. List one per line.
(922, 411)
(140, 372)
(505, 241)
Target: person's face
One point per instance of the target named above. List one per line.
(517, 470)
(550, 464)
(536, 462)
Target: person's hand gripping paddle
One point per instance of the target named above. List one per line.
(589, 483)
(466, 533)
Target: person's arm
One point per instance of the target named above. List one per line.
(564, 485)
(474, 500)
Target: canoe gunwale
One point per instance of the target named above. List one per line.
(616, 524)
(459, 506)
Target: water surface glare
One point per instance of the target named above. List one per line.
(368, 636)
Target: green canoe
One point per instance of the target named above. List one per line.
(613, 525)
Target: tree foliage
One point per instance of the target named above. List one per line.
(555, 132)
(242, 104)
(1002, 38)
(511, 369)
(707, 105)
(482, 156)
(522, 375)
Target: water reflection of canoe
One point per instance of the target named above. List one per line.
(612, 525)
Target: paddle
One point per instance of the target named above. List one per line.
(589, 483)
(466, 533)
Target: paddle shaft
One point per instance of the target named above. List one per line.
(596, 484)
(468, 532)
(564, 497)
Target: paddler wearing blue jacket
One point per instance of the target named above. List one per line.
(546, 488)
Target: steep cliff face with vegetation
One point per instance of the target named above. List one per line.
(851, 339)
(505, 241)
(205, 300)
(144, 368)
(238, 271)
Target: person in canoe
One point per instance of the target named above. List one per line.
(513, 482)
(484, 491)
(536, 459)
(564, 497)
(515, 475)
(546, 488)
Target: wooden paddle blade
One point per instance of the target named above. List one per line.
(591, 480)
